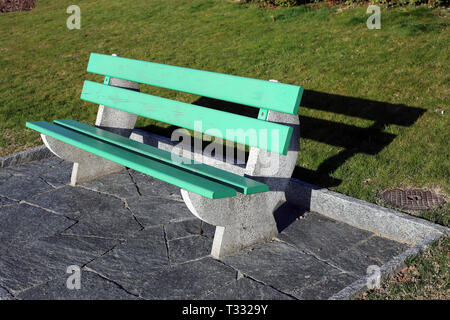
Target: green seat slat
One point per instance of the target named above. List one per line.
(241, 184)
(184, 115)
(163, 171)
(252, 92)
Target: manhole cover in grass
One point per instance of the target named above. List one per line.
(413, 199)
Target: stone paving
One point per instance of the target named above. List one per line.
(134, 238)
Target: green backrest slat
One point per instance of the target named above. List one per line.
(213, 122)
(163, 171)
(252, 92)
(239, 183)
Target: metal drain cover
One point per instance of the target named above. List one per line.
(413, 199)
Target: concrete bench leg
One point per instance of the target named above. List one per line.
(241, 221)
(245, 220)
(88, 166)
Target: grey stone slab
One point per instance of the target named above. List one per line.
(280, 266)
(47, 259)
(246, 289)
(325, 288)
(322, 236)
(118, 184)
(21, 186)
(373, 251)
(188, 227)
(189, 248)
(187, 281)
(129, 263)
(151, 211)
(93, 287)
(22, 223)
(149, 186)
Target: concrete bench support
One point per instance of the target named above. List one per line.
(245, 220)
(88, 166)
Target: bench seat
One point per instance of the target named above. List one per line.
(200, 178)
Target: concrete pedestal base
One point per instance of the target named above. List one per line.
(245, 220)
(88, 166)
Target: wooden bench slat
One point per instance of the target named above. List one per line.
(252, 92)
(241, 184)
(163, 171)
(184, 115)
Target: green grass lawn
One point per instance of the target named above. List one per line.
(375, 112)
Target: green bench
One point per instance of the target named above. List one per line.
(199, 178)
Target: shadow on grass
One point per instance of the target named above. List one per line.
(352, 138)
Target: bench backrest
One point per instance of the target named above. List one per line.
(252, 92)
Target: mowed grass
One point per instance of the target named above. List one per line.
(375, 112)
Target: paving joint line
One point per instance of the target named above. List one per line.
(10, 199)
(134, 182)
(101, 255)
(256, 280)
(132, 214)
(46, 209)
(37, 285)
(45, 181)
(88, 269)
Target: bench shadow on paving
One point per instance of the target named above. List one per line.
(135, 239)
